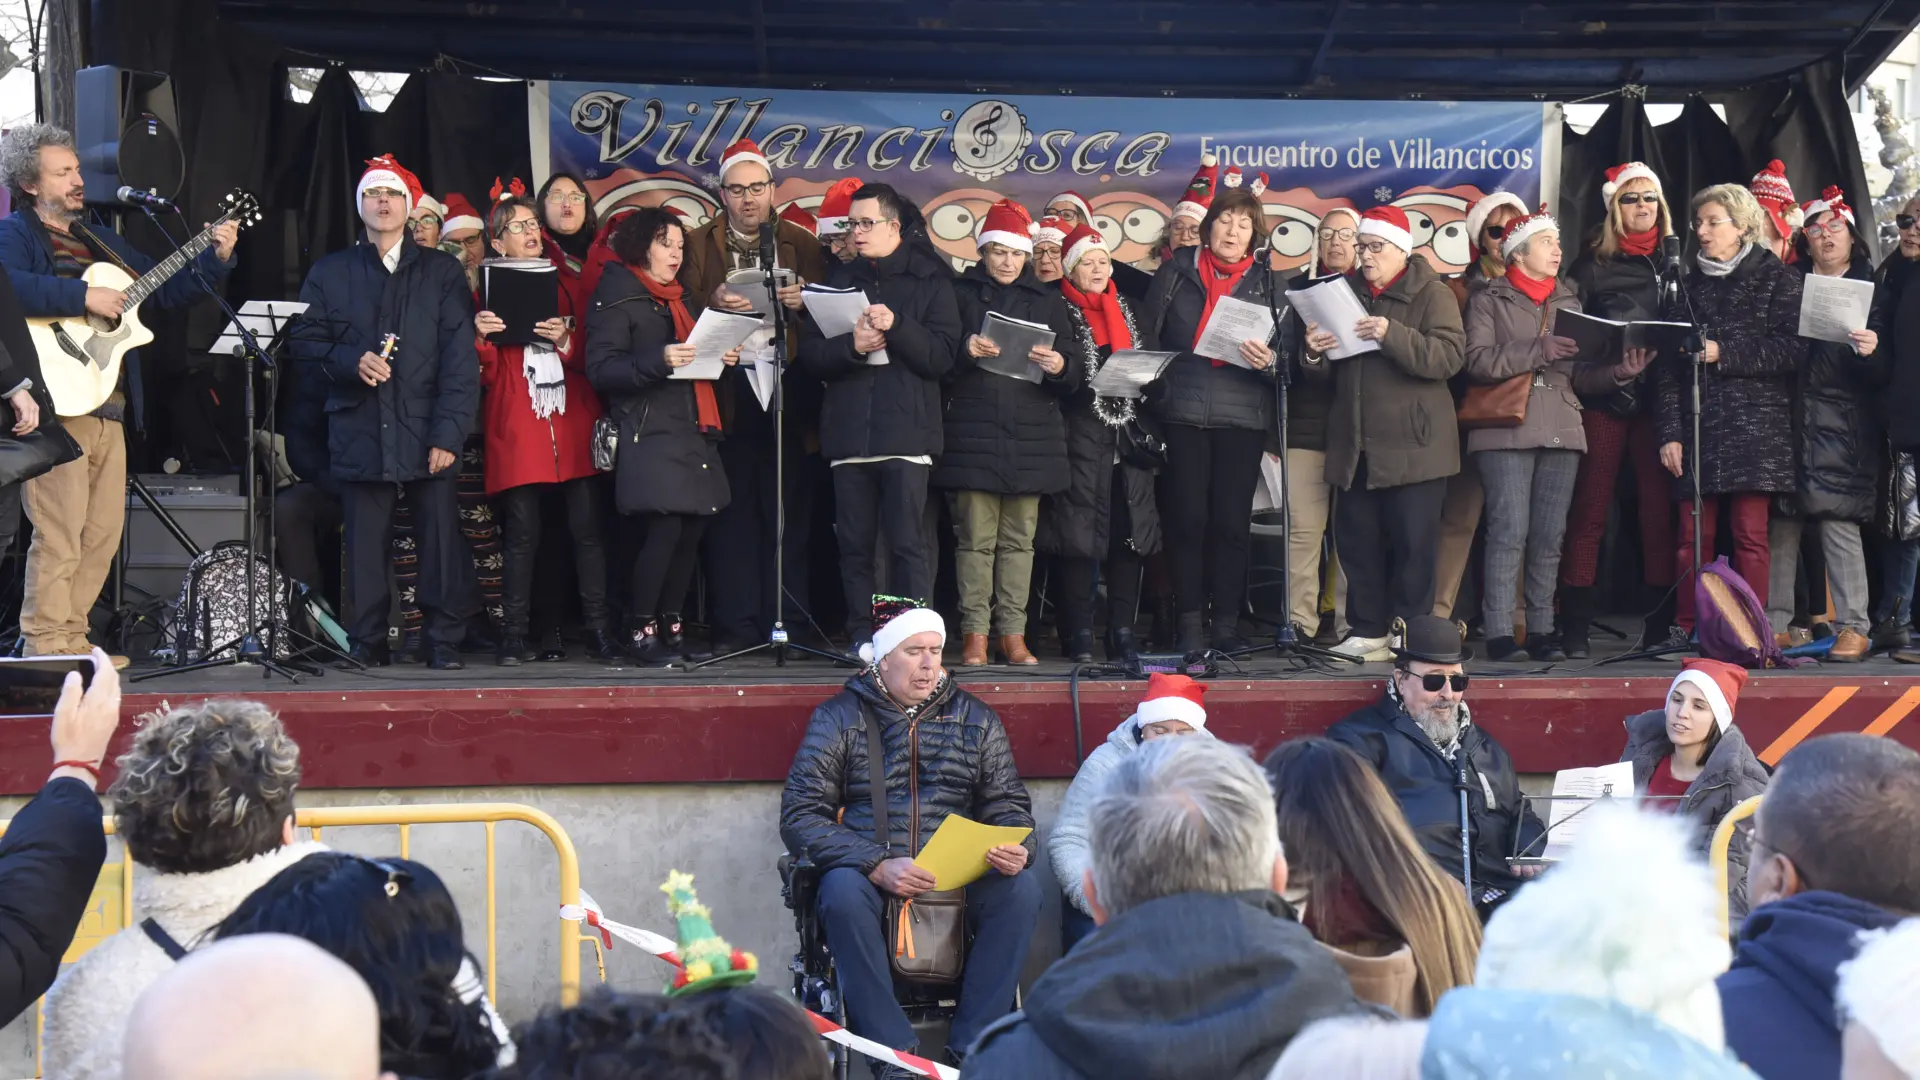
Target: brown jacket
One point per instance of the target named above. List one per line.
(1505, 338)
(1389, 979)
(1393, 405)
(704, 269)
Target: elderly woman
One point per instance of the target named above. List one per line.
(1391, 439)
(1217, 412)
(1006, 445)
(1746, 305)
(1107, 510)
(1618, 277)
(1046, 248)
(1897, 378)
(1835, 440)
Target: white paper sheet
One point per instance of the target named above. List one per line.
(836, 312)
(752, 284)
(1332, 305)
(1017, 339)
(1232, 322)
(1831, 306)
(1574, 790)
(714, 335)
(1127, 372)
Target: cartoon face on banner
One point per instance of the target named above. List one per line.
(1293, 224)
(1133, 223)
(1438, 217)
(952, 220)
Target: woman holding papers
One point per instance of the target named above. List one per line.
(538, 417)
(1217, 408)
(1006, 444)
(1107, 510)
(1746, 304)
(667, 469)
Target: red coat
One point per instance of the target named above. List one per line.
(521, 448)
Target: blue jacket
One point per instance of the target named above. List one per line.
(433, 399)
(1777, 998)
(27, 254)
(1483, 1034)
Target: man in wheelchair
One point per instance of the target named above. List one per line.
(942, 751)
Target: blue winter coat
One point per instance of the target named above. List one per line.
(1483, 1034)
(1777, 998)
(433, 399)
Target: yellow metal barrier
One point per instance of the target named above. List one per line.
(1717, 854)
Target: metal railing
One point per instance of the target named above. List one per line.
(1717, 854)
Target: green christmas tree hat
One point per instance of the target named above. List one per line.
(706, 960)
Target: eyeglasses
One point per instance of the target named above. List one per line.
(860, 225)
(1046, 251)
(567, 198)
(524, 225)
(1711, 223)
(382, 193)
(1374, 247)
(1433, 682)
(1635, 198)
(1904, 221)
(469, 241)
(741, 191)
(1342, 235)
(1836, 227)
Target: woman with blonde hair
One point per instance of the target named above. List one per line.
(1402, 930)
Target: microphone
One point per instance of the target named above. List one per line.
(767, 251)
(148, 199)
(1670, 250)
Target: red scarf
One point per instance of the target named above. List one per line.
(1217, 286)
(1376, 291)
(707, 405)
(1640, 243)
(1102, 310)
(1535, 290)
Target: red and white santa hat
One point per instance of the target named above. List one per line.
(427, 204)
(1832, 200)
(1082, 239)
(743, 151)
(1008, 224)
(384, 171)
(1618, 176)
(1073, 197)
(1234, 179)
(836, 205)
(1483, 208)
(1199, 194)
(801, 216)
(1718, 681)
(1775, 196)
(1389, 223)
(895, 619)
(1520, 230)
(1051, 230)
(1173, 697)
(460, 215)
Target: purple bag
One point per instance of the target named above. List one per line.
(1732, 623)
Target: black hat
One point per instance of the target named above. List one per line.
(1432, 639)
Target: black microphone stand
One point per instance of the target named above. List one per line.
(777, 639)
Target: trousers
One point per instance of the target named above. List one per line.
(741, 541)
(1387, 539)
(78, 510)
(522, 529)
(870, 497)
(1310, 509)
(1609, 440)
(1528, 492)
(664, 568)
(993, 559)
(1748, 511)
(1206, 510)
(1846, 572)
(303, 517)
(1460, 511)
(444, 593)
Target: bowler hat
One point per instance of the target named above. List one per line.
(1432, 639)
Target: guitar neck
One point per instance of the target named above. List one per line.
(163, 270)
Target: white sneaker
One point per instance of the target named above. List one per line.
(1367, 650)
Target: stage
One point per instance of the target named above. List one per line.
(581, 722)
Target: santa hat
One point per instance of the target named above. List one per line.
(1051, 230)
(1482, 209)
(427, 204)
(1008, 224)
(1080, 204)
(1775, 196)
(1173, 697)
(835, 205)
(1520, 230)
(743, 151)
(1074, 247)
(460, 215)
(1877, 988)
(1718, 681)
(1199, 194)
(1832, 200)
(385, 171)
(895, 619)
(1618, 176)
(799, 215)
(1389, 223)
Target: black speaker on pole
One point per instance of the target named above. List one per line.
(128, 131)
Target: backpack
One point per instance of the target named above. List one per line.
(1731, 622)
(213, 604)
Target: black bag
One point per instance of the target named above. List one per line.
(1900, 496)
(212, 612)
(23, 457)
(1142, 444)
(927, 935)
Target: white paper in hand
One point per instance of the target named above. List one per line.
(751, 283)
(1333, 307)
(716, 334)
(1832, 306)
(837, 311)
(1128, 371)
(1232, 322)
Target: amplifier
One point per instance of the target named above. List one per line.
(211, 510)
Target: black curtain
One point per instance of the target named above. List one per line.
(1622, 133)
(1804, 121)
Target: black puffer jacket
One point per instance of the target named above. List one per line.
(1731, 776)
(1076, 523)
(666, 464)
(1624, 288)
(1746, 398)
(1310, 388)
(1193, 391)
(1836, 436)
(1896, 318)
(893, 409)
(950, 757)
(1005, 435)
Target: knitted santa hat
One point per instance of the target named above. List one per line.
(1877, 990)
(1389, 223)
(1199, 194)
(1051, 230)
(384, 171)
(895, 619)
(1618, 176)
(460, 215)
(1520, 230)
(1008, 224)
(1775, 196)
(799, 215)
(1718, 681)
(1074, 247)
(1174, 697)
(743, 151)
(1481, 210)
(1832, 200)
(835, 205)
(1073, 199)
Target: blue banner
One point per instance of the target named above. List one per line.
(1130, 158)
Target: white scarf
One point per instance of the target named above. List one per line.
(1716, 268)
(546, 380)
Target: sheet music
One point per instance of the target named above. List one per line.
(1128, 371)
(761, 375)
(1332, 306)
(1017, 339)
(752, 284)
(1831, 306)
(1574, 790)
(837, 311)
(1232, 322)
(716, 334)
(264, 317)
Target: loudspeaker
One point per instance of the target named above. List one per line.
(127, 127)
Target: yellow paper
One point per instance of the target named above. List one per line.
(957, 854)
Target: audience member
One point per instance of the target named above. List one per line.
(737, 1033)
(1876, 999)
(267, 1005)
(1401, 930)
(394, 923)
(1834, 853)
(51, 855)
(1354, 1048)
(1198, 968)
(1419, 736)
(928, 728)
(204, 804)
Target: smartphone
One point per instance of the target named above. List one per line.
(31, 687)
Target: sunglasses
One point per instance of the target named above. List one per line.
(1635, 198)
(1434, 682)
(1905, 221)
(1495, 231)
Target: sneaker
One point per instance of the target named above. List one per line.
(1503, 649)
(1793, 637)
(1545, 649)
(1678, 638)
(1367, 650)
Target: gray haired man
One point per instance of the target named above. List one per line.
(1198, 967)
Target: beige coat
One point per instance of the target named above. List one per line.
(1505, 338)
(1388, 980)
(1393, 405)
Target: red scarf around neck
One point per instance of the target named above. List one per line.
(1643, 243)
(1102, 309)
(1376, 290)
(1535, 289)
(1217, 286)
(672, 295)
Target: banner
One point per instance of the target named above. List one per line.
(1130, 158)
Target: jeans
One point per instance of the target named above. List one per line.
(868, 497)
(993, 559)
(1387, 539)
(1748, 509)
(1846, 572)
(1900, 562)
(1528, 493)
(1074, 926)
(1206, 510)
(1001, 913)
(520, 509)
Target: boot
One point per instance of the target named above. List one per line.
(1079, 647)
(1544, 649)
(1164, 630)
(1017, 653)
(973, 650)
(1226, 636)
(553, 649)
(1502, 649)
(1576, 620)
(648, 649)
(1190, 633)
(602, 644)
(1659, 626)
(513, 651)
(673, 634)
(1120, 646)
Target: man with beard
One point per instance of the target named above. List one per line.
(1417, 735)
